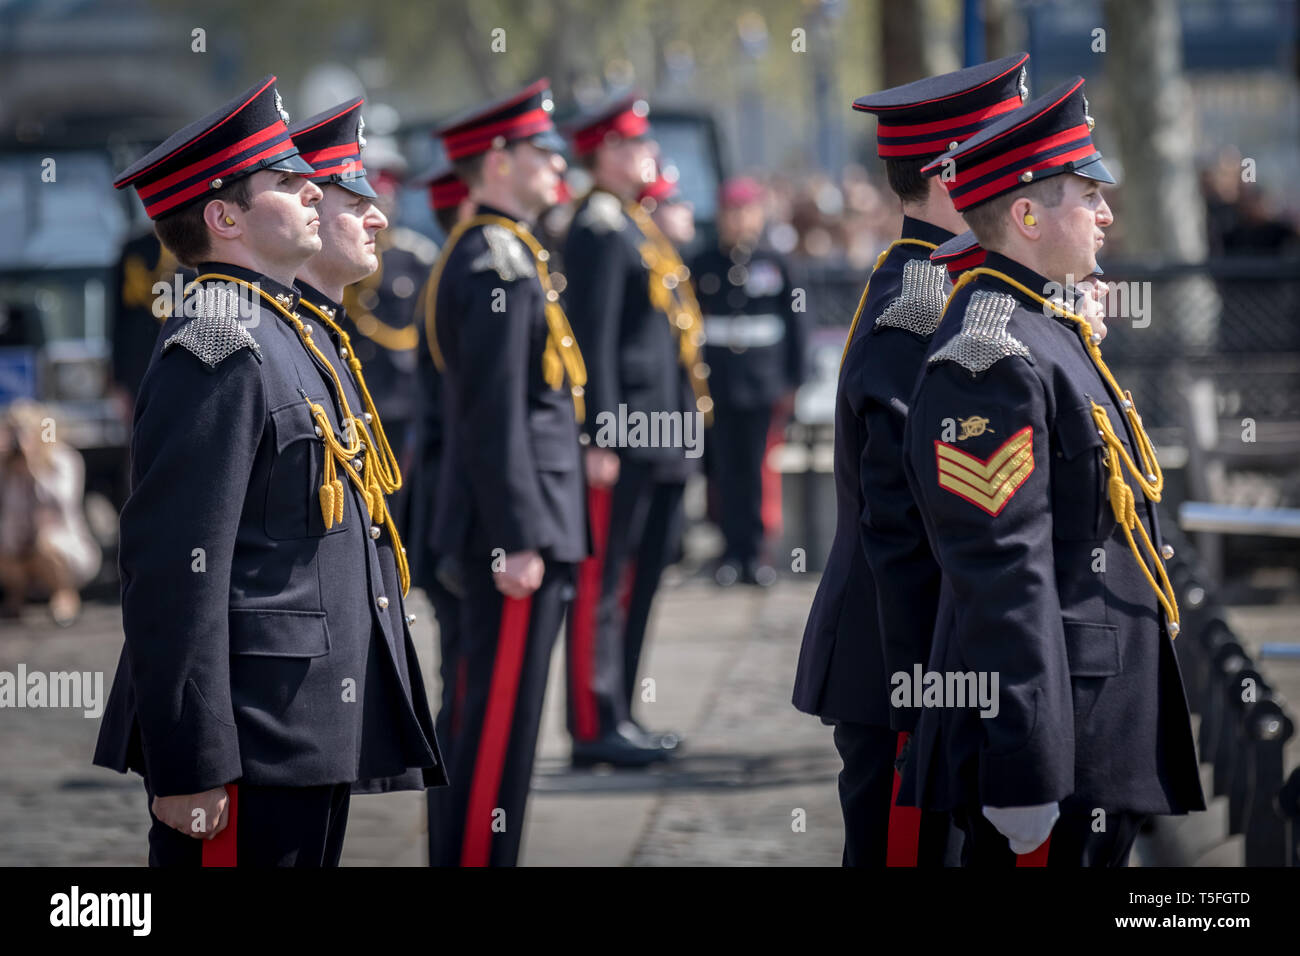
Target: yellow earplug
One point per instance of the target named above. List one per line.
(1030, 220)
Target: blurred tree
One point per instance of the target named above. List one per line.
(1153, 116)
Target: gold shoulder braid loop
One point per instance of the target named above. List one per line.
(337, 452)
(385, 463)
(862, 302)
(672, 294)
(1150, 479)
(561, 358)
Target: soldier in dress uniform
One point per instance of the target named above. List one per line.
(350, 224)
(1038, 484)
(267, 667)
(873, 613)
(755, 353)
(510, 494)
(638, 323)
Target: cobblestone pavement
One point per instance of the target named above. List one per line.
(723, 665)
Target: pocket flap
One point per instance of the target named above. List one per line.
(275, 633)
(1076, 432)
(293, 422)
(1092, 649)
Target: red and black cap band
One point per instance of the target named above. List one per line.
(959, 254)
(247, 134)
(925, 118)
(1050, 136)
(331, 142)
(524, 115)
(447, 192)
(625, 118)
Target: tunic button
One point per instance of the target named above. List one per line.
(356, 463)
(306, 330)
(1167, 552)
(382, 602)
(410, 619)
(1126, 404)
(1151, 476)
(369, 418)
(1094, 338)
(1173, 628)
(319, 432)
(374, 531)
(343, 353)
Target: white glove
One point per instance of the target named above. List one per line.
(1024, 827)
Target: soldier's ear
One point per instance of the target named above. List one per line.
(1024, 218)
(222, 219)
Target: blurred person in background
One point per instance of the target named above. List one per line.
(44, 539)
(635, 317)
(754, 347)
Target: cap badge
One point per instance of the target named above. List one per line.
(548, 104)
(279, 108)
(1024, 86)
(361, 128)
(1087, 118)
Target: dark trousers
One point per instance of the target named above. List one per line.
(1073, 841)
(739, 439)
(866, 787)
(505, 646)
(275, 826)
(634, 528)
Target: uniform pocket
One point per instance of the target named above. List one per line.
(1092, 649)
(277, 633)
(293, 487)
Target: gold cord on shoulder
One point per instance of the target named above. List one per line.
(1150, 479)
(672, 293)
(862, 302)
(562, 358)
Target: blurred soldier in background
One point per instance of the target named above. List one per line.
(136, 318)
(637, 320)
(873, 615)
(509, 506)
(754, 349)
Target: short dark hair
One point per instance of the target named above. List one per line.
(905, 179)
(988, 219)
(469, 169)
(447, 218)
(184, 232)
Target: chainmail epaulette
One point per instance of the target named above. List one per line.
(919, 306)
(602, 213)
(505, 253)
(983, 339)
(215, 333)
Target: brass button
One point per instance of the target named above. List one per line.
(374, 531)
(1173, 628)
(382, 602)
(410, 619)
(1166, 551)
(306, 330)
(319, 432)
(368, 417)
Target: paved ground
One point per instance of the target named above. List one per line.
(723, 666)
(723, 663)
